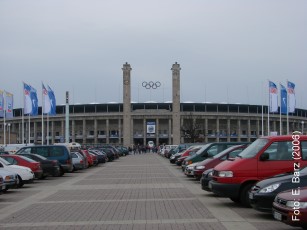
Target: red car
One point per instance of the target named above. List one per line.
(189, 152)
(27, 162)
(290, 207)
(210, 163)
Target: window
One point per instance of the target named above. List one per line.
(56, 151)
(280, 151)
(41, 151)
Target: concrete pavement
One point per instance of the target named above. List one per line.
(134, 192)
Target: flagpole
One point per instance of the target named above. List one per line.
(280, 123)
(22, 121)
(29, 131)
(47, 129)
(269, 114)
(287, 109)
(43, 103)
(262, 117)
(4, 115)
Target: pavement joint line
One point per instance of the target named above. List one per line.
(114, 200)
(109, 222)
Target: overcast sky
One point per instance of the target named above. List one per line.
(227, 49)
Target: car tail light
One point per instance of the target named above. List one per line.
(54, 162)
(68, 161)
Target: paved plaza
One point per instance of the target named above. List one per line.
(134, 192)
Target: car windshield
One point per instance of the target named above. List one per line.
(4, 161)
(254, 148)
(28, 159)
(202, 149)
(225, 151)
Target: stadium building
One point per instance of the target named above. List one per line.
(163, 123)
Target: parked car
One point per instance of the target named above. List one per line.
(9, 179)
(50, 167)
(211, 162)
(264, 158)
(209, 150)
(27, 162)
(205, 179)
(179, 148)
(52, 152)
(25, 174)
(77, 161)
(263, 193)
(189, 152)
(101, 157)
(290, 207)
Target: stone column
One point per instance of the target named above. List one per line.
(144, 132)
(119, 131)
(176, 103)
(239, 130)
(157, 132)
(170, 132)
(84, 131)
(95, 131)
(108, 131)
(52, 133)
(248, 130)
(218, 129)
(34, 132)
(228, 130)
(73, 134)
(127, 104)
(206, 130)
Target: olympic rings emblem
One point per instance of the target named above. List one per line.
(151, 84)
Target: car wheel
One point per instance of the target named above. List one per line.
(244, 199)
(20, 182)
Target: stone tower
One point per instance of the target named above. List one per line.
(176, 103)
(127, 104)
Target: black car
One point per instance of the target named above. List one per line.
(264, 192)
(205, 178)
(50, 167)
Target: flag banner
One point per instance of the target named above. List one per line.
(283, 99)
(30, 100)
(273, 97)
(291, 97)
(1, 104)
(46, 101)
(34, 100)
(151, 127)
(52, 101)
(9, 105)
(27, 99)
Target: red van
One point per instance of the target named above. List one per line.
(265, 157)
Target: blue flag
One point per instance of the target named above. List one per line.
(30, 100)
(283, 99)
(52, 101)
(8, 105)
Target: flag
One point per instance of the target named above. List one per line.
(30, 100)
(291, 97)
(283, 99)
(46, 100)
(1, 104)
(273, 97)
(52, 101)
(8, 105)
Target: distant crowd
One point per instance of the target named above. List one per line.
(141, 149)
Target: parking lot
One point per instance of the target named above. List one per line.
(133, 192)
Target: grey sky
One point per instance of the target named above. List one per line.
(227, 49)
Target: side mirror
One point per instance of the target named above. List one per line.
(205, 155)
(265, 156)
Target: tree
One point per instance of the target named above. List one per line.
(191, 127)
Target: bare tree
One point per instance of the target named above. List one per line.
(191, 127)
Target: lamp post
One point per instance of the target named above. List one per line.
(9, 128)
(302, 127)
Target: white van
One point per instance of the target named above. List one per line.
(151, 144)
(13, 148)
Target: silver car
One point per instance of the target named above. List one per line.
(77, 161)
